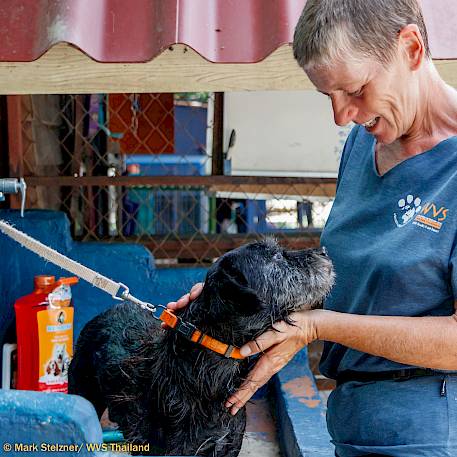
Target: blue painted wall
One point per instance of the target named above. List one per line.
(190, 129)
(300, 411)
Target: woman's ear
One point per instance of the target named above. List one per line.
(411, 41)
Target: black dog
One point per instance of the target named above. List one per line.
(167, 391)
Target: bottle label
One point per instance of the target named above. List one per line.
(55, 334)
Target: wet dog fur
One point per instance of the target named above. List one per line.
(164, 390)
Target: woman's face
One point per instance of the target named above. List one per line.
(383, 98)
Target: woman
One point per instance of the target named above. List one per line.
(390, 324)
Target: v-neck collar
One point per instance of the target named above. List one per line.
(394, 169)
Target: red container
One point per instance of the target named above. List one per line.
(27, 308)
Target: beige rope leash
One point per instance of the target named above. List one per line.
(111, 287)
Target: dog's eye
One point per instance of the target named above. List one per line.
(277, 256)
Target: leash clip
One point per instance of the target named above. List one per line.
(122, 295)
(125, 296)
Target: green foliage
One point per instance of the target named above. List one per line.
(192, 96)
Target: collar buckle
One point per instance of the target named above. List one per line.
(186, 329)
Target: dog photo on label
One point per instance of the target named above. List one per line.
(161, 388)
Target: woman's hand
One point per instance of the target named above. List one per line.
(185, 299)
(279, 347)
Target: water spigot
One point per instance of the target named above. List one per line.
(13, 186)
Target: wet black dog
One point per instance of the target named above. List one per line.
(167, 391)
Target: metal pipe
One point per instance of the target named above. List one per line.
(13, 186)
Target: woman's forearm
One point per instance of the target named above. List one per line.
(429, 342)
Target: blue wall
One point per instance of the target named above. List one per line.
(130, 264)
(190, 129)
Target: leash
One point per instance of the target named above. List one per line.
(120, 292)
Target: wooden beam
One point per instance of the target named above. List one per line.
(278, 190)
(217, 153)
(15, 144)
(15, 149)
(172, 180)
(448, 71)
(212, 246)
(4, 159)
(273, 185)
(66, 70)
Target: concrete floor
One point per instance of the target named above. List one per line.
(260, 438)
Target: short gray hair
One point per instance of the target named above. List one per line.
(330, 29)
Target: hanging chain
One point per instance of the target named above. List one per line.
(136, 109)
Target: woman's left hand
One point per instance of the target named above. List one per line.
(279, 347)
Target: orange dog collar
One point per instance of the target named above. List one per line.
(190, 332)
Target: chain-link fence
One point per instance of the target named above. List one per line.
(138, 167)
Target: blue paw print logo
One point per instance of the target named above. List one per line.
(407, 208)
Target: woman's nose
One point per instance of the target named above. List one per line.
(344, 111)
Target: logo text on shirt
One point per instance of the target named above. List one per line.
(429, 216)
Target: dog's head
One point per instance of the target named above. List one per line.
(52, 368)
(253, 286)
(59, 351)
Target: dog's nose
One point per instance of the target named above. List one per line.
(323, 251)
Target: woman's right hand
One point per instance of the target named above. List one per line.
(185, 299)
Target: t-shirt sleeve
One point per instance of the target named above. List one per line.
(347, 151)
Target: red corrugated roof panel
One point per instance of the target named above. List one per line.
(138, 30)
(226, 31)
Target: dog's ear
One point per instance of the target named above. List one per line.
(228, 284)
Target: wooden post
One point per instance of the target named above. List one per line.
(218, 135)
(4, 162)
(15, 145)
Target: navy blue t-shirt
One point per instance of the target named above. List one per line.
(392, 241)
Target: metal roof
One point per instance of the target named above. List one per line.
(138, 30)
(223, 31)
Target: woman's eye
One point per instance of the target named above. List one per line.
(277, 256)
(357, 93)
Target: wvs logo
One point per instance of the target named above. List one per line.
(428, 215)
